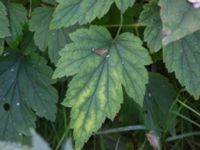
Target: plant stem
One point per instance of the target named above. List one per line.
(122, 129)
(121, 24)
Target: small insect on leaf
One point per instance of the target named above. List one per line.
(100, 51)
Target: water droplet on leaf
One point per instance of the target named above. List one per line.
(107, 56)
(18, 104)
(6, 54)
(12, 69)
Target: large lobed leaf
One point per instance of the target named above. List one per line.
(4, 24)
(179, 19)
(70, 12)
(24, 88)
(102, 64)
(183, 58)
(55, 40)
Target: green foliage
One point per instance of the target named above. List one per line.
(158, 101)
(183, 57)
(88, 56)
(4, 30)
(25, 84)
(179, 19)
(44, 38)
(99, 92)
(69, 13)
(150, 17)
(17, 15)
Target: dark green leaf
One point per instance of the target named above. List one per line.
(17, 18)
(1, 46)
(24, 88)
(159, 98)
(4, 24)
(150, 17)
(69, 13)
(44, 37)
(183, 58)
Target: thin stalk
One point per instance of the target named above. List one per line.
(30, 9)
(121, 24)
(122, 129)
(186, 118)
(188, 107)
(124, 25)
(61, 141)
(181, 136)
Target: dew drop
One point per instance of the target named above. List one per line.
(6, 54)
(12, 69)
(20, 134)
(18, 104)
(149, 94)
(107, 56)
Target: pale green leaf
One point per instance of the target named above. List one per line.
(183, 58)
(124, 4)
(24, 88)
(68, 144)
(4, 24)
(150, 17)
(102, 64)
(38, 143)
(13, 146)
(179, 19)
(17, 15)
(70, 12)
(45, 38)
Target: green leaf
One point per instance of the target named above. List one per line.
(124, 4)
(102, 64)
(55, 40)
(150, 17)
(52, 2)
(24, 88)
(38, 142)
(179, 19)
(4, 24)
(1, 46)
(183, 58)
(17, 15)
(68, 13)
(159, 98)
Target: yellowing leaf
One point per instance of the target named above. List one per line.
(96, 91)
